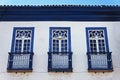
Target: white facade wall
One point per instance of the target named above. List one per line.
(41, 47)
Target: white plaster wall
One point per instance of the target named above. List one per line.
(41, 47)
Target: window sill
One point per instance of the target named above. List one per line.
(19, 70)
(60, 70)
(100, 70)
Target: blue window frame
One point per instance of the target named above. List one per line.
(60, 55)
(99, 57)
(21, 55)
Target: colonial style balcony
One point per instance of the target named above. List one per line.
(99, 62)
(59, 61)
(20, 62)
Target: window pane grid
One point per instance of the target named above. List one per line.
(101, 45)
(23, 41)
(55, 45)
(26, 46)
(18, 45)
(93, 46)
(64, 45)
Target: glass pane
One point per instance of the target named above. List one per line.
(101, 44)
(18, 45)
(93, 46)
(26, 46)
(64, 46)
(55, 45)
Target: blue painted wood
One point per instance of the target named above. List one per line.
(59, 13)
(49, 61)
(22, 28)
(109, 61)
(10, 61)
(97, 28)
(69, 69)
(110, 66)
(13, 53)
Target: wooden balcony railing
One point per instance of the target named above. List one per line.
(20, 62)
(99, 61)
(59, 61)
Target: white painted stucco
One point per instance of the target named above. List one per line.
(41, 47)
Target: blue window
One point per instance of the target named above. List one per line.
(60, 55)
(21, 55)
(99, 57)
